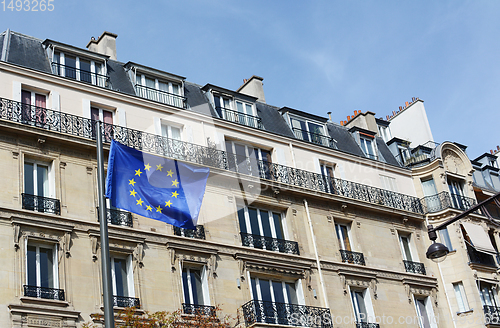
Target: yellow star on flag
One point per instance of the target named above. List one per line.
(170, 173)
(175, 183)
(138, 172)
(139, 202)
(168, 203)
(175, 194)
(158, 209)
(131, 182)
(133, 192)
(147, 167)
(148, 208)
(159, 167)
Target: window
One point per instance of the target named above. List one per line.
(105, 116)
(425, 313)
(222, 105)
(384, 132)
(255, 223)
(488, 294)
(310, 131)
(33, 107)
(327, 172)
(431, 200)
(389, 183)
(343, 236)
(171, 132)
(36, 179)
(80, 69)
(457, 193)
(444, 237)
(367, 147)
(463, 305)
(123, 280)
(166, 92)
(41, 271)
(406, 247)
(403, 154)
(195, 286)
(248, 160)
(362, 305)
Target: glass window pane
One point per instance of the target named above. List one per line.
(42, 180)
(423, 313)
(196, 285)
(29, 187)
(70, 66)
(445, 238)
(185, 286)
(248, 109)
(292, 293)
(265, 290)
(241, 219)
(31, 254)
(277, 226)
(176, 133)
(163, 86)
(176, 89)
(85, 71)
(107, 117)
(121, 277)
(315, 128)
(278, 292)
(46, 268)
(239, 107)
(150, 83)
(254, 223)
(406, 248)
(255, 295)
(363, 315)
(266, 225)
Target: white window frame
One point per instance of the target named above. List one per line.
(367, 303)
(55, 266)
(389, 183)
(204, 284)
(93, 67)
(364, 146)
(384, 132)
(306, 121)
(411, 247)
(50, 177)
(166, 130)
(444, 237)
(461, 296)
(492, 294)
(339, 233)
(101, 115)
(428, 309)
(140, 79)
(298, 288)
(130, 275)
(271, 221)
(33, 96)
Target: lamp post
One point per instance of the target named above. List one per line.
(437, 252)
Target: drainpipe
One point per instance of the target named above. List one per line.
(318, 264)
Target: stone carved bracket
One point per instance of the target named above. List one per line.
(139, 254)
(17, 236)
(67, 244)
(172, 259)
(94, 244)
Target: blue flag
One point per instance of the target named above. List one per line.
(155, 187)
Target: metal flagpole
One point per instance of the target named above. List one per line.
(107, 287)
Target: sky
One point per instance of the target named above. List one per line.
(315, 56)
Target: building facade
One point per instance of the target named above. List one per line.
(304, 222)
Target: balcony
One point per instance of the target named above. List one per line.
(316, 138)
(491, 315)
(352, 257)
(41, 204)
(444, 200)
(414, 267)
(269, 243)
(118, 217)
(367, 325)
(68, 124)
(195, 309)
(241, 118)
(199, 233)
(481, 258)
(160, 96)
(44, 292)
(286, 314)
(123, 301)
(80, 75)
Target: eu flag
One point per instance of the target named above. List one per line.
(155, 187)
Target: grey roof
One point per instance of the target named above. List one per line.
(272, 120)
(119, 78)
(386, 153)
(196, 99)
(29, 52)
(345, 141)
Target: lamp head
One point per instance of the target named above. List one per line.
(437, 252)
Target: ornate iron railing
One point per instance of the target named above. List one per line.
(242, 118)
(367, 325)
(123, 301)
(269, 243)
(480, 257)
(491, 315)
(41, 204)
(208, 156)
(204, 310)
(80, 75)
(352, 257)
(444, 200)
(199, 233)
(160, 96)
(118, 217)
(286, 314)
(316, 138)
(414, 267)
(44, 292)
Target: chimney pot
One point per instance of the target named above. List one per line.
(342, 123)
(387, 117)
(406, 104)
(348, 118)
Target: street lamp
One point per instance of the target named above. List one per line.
(437, 252)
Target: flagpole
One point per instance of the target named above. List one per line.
(107, 287)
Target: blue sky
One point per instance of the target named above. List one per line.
(315, 56)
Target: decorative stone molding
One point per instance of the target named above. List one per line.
(67, 244)
(273, 265)
(139, 254)
(17, 236)
(15, 154)
(94, 247)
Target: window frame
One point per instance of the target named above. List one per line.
(166, 130)
(142, 82)
(411, 247)
(272, 223)
(367, 302)
(96, 67)
(461, 297)
(444, 237)
(428, 311)
(129, 272)
(339, 232)
(55, 263)
(50, 176)
(306, 124)
(299, 295)
(203, 280)
(364, 146)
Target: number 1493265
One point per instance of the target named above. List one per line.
(28, 5)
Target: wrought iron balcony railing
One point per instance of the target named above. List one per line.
(480, 257)
(286, 314)
(204, 310)
(207, 156)
(444, 200)
(367, 325)
(352, 257)
(199, 233)
(491, 315)
(118, 217)
(242, 118)
(269, 243)
(160, 96)
(123, 301)
(44, 292)
(414, 267)
(316, 138)
(80, 75)
(41, 204)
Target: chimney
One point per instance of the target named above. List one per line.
(104, 45)
(330, 116)
(253, 87)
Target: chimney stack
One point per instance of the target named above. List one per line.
(104, 45)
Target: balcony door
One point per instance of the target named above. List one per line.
(256, 223)
(456, 193)
(343, 237)
(41, 270)
(430, 193)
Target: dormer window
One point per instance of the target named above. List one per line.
(166, 92)
(79, 68)
(310, 131)
(367, 146)
(236, 110)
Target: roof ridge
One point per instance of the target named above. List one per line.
(26, 36)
